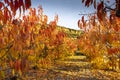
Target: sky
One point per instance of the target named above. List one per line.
(67, 11)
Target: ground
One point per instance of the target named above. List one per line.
(73, 68)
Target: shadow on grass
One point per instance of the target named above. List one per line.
(73, 67)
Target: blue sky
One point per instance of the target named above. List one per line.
(67, 10)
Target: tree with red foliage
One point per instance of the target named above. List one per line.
(101, 34)
(6, 14)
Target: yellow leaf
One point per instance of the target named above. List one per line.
(13, 72)
(20, 72)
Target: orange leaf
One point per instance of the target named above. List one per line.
(17, 65)
(11, 63)
(1, 15)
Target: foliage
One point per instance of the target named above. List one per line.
(32, 42)
(8, 8)
(101, 37)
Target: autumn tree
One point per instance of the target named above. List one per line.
(101, 38)
(8, 8)
(31, 42)
(102, 5)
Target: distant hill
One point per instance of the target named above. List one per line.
(72, 33)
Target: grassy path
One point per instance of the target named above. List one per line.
(74, 68)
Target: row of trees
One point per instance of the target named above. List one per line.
(34, 42)
(31, 43)
(101, 38)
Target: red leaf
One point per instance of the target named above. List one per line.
(100, 6)
(87, 3)
(82, 19)
(20, 11)
(83, 1)
(95, 4)
(112, 17)
(118, 4)
(6, 1)
(91, 2)
(78, 23)
(5, 14)
(113, 51)
(100, 12)
(21, 4)
(27, 3)
(116, 28)
(1, 5)
(12, 6)
(24, 64)
(93, 20)
(16, 4)
(17, 65)
(84, 24)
